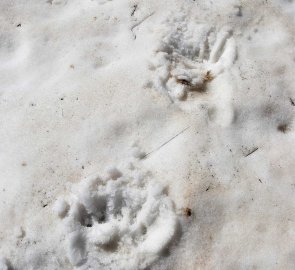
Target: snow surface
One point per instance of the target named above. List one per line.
(147, 134)
(124, 222)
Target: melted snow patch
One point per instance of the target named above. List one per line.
(123, 221)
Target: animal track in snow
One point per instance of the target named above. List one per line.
(190, 56)
(122, 221)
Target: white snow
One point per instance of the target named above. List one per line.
(5, 264)
(61, 207)
(122, 219)
(114, 173)
(147, 134)
(77, 248)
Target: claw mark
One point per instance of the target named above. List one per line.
(292, 102)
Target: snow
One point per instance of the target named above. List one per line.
(5, 264)
(118, 219)
(147, 134)
(114, 173)
(61, 207)
(76, 249)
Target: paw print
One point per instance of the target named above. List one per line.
(123, 221)
(190, 57)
